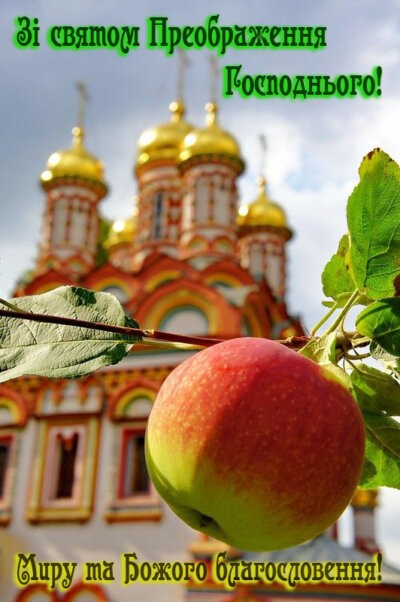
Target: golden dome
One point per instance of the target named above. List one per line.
(163, 142)
(211, 140)
(122, 231)
(262, 211)
(75, 162)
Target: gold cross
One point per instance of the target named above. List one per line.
(263, 155)
(82, 100)
(183, 63)
(214, 77)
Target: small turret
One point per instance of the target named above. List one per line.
(210, 164)
(120, 240)
(364, 503)
(160, 188)
(263, 233)
(74, 184)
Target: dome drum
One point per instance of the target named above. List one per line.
(212, 158)
(281, 231)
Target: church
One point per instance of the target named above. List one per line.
(74, 486)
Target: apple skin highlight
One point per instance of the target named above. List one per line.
(255, 445)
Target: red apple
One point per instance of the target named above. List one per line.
(255, 445)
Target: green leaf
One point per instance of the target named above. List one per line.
(57, 351)
(382, 454)
(337, 281)
(380, 321)
(378, 353)
(321, 350)
(375, 391)
(374, 227)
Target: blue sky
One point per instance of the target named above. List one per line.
(314, 146)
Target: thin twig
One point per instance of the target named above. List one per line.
(358, 356)
(145, 336)
(123, 330)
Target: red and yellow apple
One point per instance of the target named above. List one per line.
(255, 445)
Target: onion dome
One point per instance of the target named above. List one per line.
(74, 163)
(212, 140)
(122, 231)
(163, 142)
(262, 211)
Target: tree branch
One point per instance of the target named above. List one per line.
(157, 335)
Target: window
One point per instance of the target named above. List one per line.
(5, 448)
(67, 448)
(133, 496)
(7, 462)
(185, 319)
(13, 417)
(158, 214)
(64, 465)
(65, 456)
(134, 478)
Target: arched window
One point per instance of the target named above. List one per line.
(5, 448)
(13, 415)
(133, 495)
(67, 438)
(158, 202)
(185, 319)
(67, 448)
(134, 479)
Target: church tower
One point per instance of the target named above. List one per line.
(160, 196)
(210, 164)
(263, 233)
(159, 206)
(119, 241)
(364, 503)
(74, 184)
